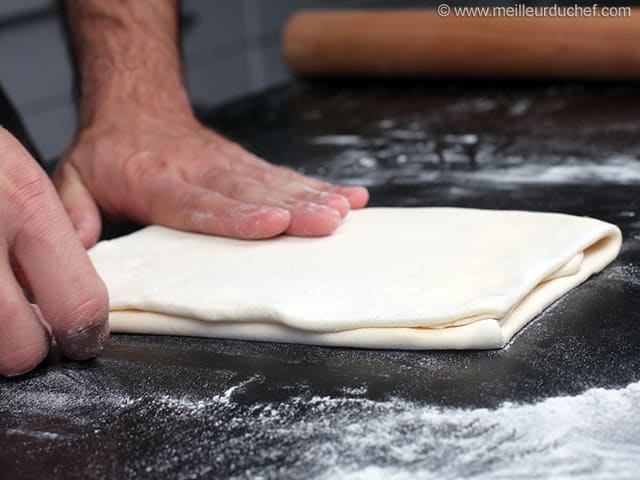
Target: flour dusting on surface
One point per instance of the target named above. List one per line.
(355, 437)
(627, 274)
(622, 170)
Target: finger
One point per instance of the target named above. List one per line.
(63, 282)
(184, 206)
(358, 197)
(301, 191)
(313, 220)
(307, 217)
(78, 203)
(261, 170)
(24, 340)
(231, 184)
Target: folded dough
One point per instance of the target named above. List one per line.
(405, 278)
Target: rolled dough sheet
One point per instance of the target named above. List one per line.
(402, 278)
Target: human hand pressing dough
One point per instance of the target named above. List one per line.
(140, 154)
(175, 172)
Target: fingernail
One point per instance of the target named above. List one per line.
(86, 342)
(17, 374)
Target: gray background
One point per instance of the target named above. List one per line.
(231, 48)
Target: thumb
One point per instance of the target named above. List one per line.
(78, 203)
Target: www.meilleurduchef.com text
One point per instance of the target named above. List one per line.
(521, 10)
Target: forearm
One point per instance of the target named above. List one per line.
(128, 58)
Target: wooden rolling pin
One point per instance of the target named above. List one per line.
(422, 43)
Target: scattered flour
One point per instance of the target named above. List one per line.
(618, 170)
(629, 273)
(461, 158)
(464, 139)
(520, 107)
(337, 140)
(430, 168)
(473, 105)
(588, 436)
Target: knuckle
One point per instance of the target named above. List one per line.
(141, 166)
(217, 179)
(33, 187)
(234, 150)
(148, 199)
(191, 199)
(238, 189)
(267, 176)
(31, 201)
(286, 172)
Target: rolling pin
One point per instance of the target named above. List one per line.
(420, 43)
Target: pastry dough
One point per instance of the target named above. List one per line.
(405, 278)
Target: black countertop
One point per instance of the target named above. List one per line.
(559, 401)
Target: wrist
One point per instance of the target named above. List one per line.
(128, 59)
(115, 94)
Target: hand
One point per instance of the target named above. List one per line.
(42, 255)
(141, 155)
(171, 170)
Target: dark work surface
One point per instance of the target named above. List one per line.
(559, 401)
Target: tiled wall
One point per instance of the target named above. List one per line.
(231, 47)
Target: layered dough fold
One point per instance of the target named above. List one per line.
(400, 278)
